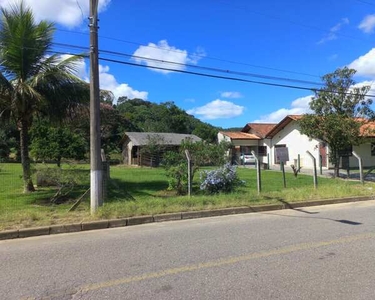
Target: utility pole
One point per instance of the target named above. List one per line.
(96, 176)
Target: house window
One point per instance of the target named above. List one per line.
(372, 149)
(262, 150)
(281, 150)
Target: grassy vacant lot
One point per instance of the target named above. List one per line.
(141, 191)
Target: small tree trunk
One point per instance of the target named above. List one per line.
(337, 165)
(25, 159)
(59, 162)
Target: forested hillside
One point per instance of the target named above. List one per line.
(128, 115)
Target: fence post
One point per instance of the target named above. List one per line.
(268, 161)
(321, 164)
(299, 162)
(188, 157)
(283, 171)
(360, 167)
(315, 175)
(259, 179)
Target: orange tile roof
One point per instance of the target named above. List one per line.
(240, 135)
(282, 124)
(260, 129)
(368, 129)
(295, 117)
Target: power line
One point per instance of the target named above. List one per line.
(203, 74)
(82, 15)
(197, 55)
(222, 77)
(268, 77)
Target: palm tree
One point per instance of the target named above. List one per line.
(32, 81)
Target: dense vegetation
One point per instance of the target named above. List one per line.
(49, 140)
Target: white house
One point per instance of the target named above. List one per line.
(286, 138)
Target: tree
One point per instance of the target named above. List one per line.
(164, 117)
(55, 143)
(32, 81)
(8, 141)
(156, 145)
(202, 154)
(340, 109)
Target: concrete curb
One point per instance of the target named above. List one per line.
(102, 224)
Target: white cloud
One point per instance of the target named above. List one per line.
(217, 109)
(80, 68)
(109, 82)
(231, 95)
(156, 55)
(365, 64)
(70, 13)
(297, 107)
(332, 34)
(368, 24)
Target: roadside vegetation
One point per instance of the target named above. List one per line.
(144, 191)
(44, 117)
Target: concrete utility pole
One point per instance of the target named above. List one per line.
(95, 151)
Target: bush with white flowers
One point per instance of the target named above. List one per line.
(224, 179)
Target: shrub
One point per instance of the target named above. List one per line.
(224, 179)
(202, 154)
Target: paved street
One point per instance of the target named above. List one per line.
(312, 253)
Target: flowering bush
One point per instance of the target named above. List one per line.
(224, 179)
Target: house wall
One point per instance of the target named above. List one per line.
(221, 137)
(297, 143)
(364, 151)
(127, 152)
(268, 144)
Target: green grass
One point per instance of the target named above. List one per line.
(142, 191)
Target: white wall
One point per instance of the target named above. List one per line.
(221, 137)
(127, 147)
(364, 151)
(297, 144)
(268, 144)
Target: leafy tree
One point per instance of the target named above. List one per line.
(55, 143)
(202, 154)
(206, 132)
(112, 126)
(146, 116)
(31, 81)
(156, 144)
(9, 141)
(340, 109)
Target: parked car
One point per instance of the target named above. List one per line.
(247, 158)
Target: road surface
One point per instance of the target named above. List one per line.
(323, 252)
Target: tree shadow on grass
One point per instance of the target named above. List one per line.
(43, 196)
(128, 191)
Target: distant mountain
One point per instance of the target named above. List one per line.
(232, 129)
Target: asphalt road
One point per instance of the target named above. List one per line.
(313, 253)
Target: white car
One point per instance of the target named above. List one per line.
(247, 158)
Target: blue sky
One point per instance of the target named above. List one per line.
(267, 38)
